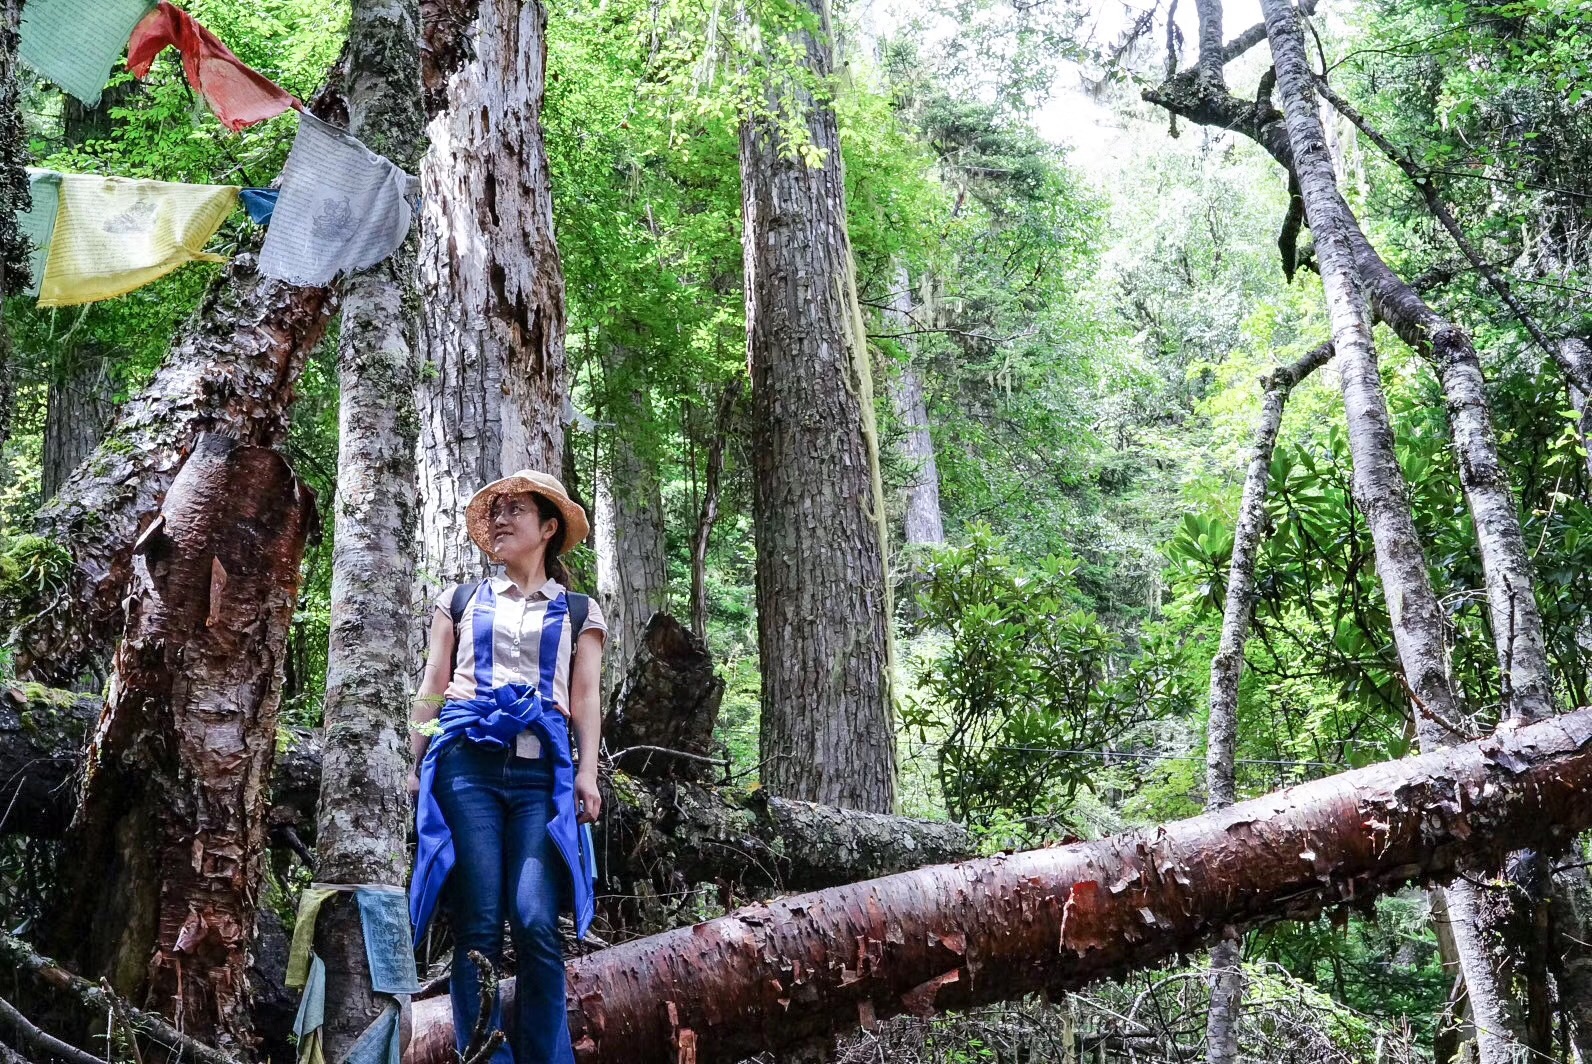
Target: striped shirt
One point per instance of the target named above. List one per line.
(506, 636)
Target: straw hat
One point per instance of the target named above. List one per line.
(478, 514)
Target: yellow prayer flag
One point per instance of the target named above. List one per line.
(115, 234)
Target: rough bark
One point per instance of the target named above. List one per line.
(797, 971)
(77, 410)
(364, 806)
(1380, 492)
(708, 515)
(14, 272)
(632, 558)
(165, 849)
(41, 746)
(1221, 735)
(823, 601)
(666, 705)
(493, 387)
(924, 524)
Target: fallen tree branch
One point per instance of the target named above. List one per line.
(43, 1041)
(17, 956)
(803, 969)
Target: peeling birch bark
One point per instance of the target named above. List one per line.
(163, 859)
(800, 970)
(1227, 667)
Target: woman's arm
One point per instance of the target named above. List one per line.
(585, 718)
(428, 699)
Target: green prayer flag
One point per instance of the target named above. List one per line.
(38, 221)
(75, 43)
(298, 954)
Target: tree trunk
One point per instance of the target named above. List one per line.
(492, 391)
(1227, 667)
(364, 812)
(665, 705)
(923, 521)
(823, 601)
(1380, 492)
(800, 970)
(708, 516)
(164, 854)
(14, 198)
(79, 406)
(632, 559)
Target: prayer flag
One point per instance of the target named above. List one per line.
(75, 43)
(38, 221)
(259, 202)
(115, 234)
(239, 95)
(342, 208)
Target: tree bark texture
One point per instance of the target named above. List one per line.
(924, 525)
(77, 409)
(823, 601)
(164, 854)
(1227, 667)
(14, 198)
(364, 808)
(802, 969)
(632, 558)
(494, 382)
(666, 705)
(708, 513)
(230, 371)
(1380, 492)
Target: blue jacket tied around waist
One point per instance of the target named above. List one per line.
(493, 721)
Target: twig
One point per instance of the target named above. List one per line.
(40, 1040)
(483, 1044)
(119, 1011)
(721, 761)
(19, 956)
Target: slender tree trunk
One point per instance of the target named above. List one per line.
(823, 601)
(14, 199)
(364, 808)
(924, 525)
(1227, 667)
(707, 517)
(1575, 352)
(164, 855)
(798, 970)
(632, 558)
(79, 406)
(492, 390)
(1380, 492)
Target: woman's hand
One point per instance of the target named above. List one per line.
(413, 783)
(588, 799)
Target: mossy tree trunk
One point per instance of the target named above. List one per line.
(364, 808)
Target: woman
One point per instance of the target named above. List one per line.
(508, 677)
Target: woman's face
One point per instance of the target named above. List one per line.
(518, 530)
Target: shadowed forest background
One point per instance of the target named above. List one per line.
(1070, 350)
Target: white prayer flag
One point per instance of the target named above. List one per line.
(342, 208)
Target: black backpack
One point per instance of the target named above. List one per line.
(579, 606)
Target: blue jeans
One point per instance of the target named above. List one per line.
(497, 806)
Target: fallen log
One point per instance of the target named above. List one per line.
(801, 970)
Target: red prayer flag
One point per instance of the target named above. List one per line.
(238, 95)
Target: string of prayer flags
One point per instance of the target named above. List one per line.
(341, 208)
(75, 43)
(260, 203)
(238, 95)
(38, 221)
(115, 234)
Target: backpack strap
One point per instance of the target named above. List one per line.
(579, 607)
(462, 594)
